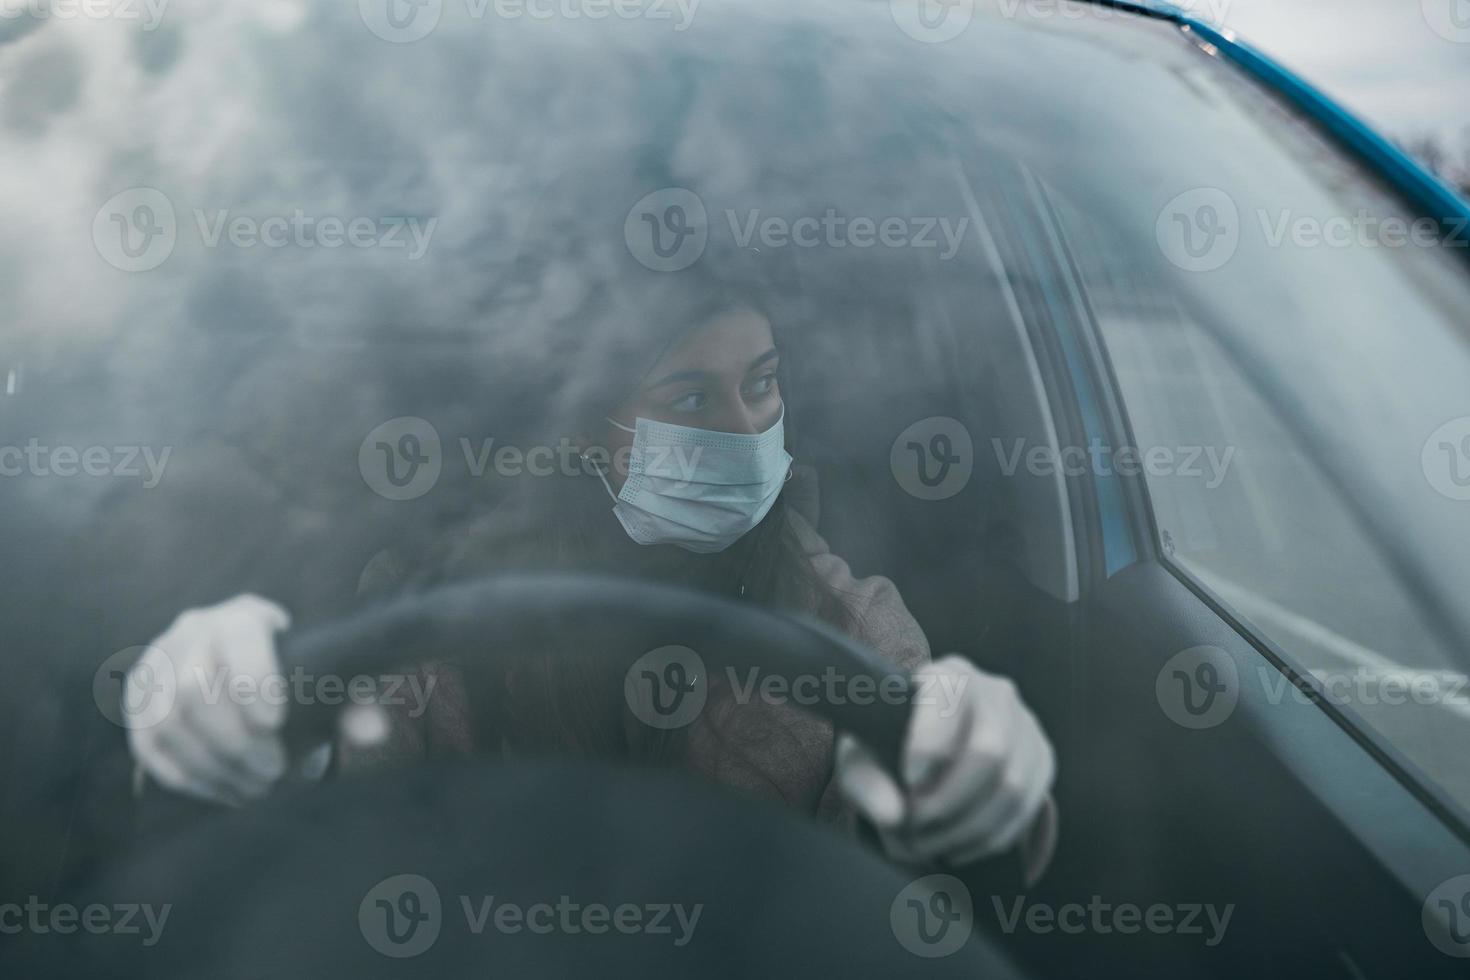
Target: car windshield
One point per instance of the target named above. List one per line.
(331, 343)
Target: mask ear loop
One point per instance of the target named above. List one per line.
(596, 468)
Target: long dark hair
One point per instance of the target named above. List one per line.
(569, 699)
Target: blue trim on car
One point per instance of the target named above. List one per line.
(1431, 196)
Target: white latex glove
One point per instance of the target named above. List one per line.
(216, 747)
(978, 770)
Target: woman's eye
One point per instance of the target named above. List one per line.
(763, 385)
(692, 402)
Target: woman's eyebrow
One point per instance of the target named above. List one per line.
(678, 376)
(669, 379)
(769, 355)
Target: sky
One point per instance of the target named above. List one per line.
(1403, 65)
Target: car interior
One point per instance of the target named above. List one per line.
(1026, 576)
(1319, 835)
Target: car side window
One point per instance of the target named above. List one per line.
(1241, 505)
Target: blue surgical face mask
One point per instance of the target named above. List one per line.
(696, 488)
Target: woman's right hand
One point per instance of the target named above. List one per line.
(221, 740)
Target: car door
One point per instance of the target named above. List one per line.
(1261, 711)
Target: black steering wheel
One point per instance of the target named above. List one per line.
(629, 615)
(310, 882)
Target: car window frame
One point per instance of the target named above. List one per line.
(1147, 533)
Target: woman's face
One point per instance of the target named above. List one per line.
(720, 376)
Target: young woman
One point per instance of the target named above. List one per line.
(977, 768)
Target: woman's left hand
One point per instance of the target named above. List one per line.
(976, 765)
